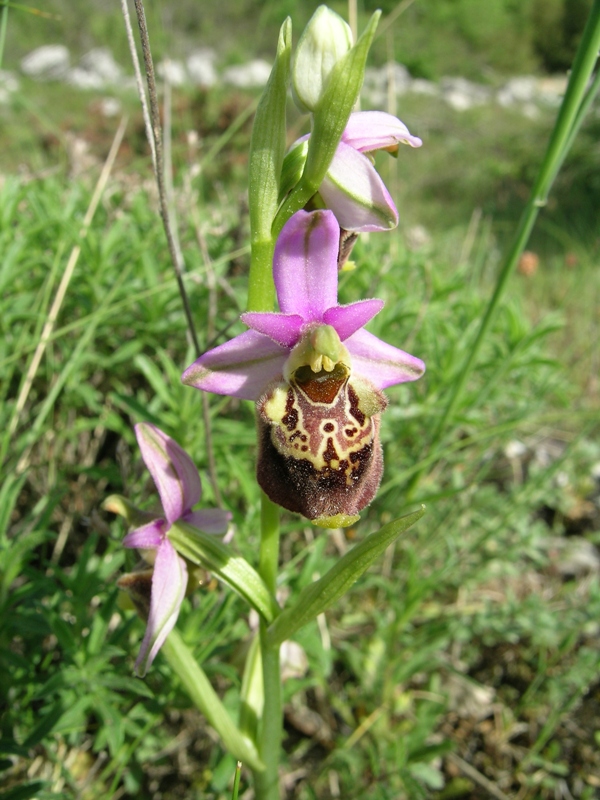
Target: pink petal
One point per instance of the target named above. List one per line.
(210, 520)
(381, 363)
(282, 328)
(305, 264)
(173, 471)
(374, 130)
(169, 582)
(348, 319)
(242, 367)
(147, 537)
(355, 193)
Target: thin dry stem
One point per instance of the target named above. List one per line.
(139, 80)
(393, 16)
(471, 772)
(159, 171)
(210, 330)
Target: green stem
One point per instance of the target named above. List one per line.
(271, 725)
(269, 544)
(266, 782)
(3, 26)
(570, 116)
(261, 289)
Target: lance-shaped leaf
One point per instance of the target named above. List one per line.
(208, 552)
(320, 595)
(189, 672)
(267, 149)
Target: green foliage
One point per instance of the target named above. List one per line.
(475, 595)
(68, 649)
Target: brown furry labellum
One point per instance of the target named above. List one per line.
(319, 449)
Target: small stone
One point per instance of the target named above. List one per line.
(246, 76)
(201, 68)
(100, 61)
(49, 62)
(82, 79)
(173, 71)
(421, 86)
(522, 89)
(462, 94)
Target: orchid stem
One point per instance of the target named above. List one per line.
(271, 724)
(269, 543)
(261, 289)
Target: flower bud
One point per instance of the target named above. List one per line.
(324, 41)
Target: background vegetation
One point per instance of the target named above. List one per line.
(465, 664)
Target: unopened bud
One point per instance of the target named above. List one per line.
(325, 40)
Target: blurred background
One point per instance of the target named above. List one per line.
(466, 664)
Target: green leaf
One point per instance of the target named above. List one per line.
(183, 663)
(267, 149)
(321, 594)
(23, 792)
(9, 493)
(207, 551)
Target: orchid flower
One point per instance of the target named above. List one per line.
(179, 487)
(317, 377)
(352, 188)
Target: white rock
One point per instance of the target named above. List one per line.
(49, 62)
(201, 67)
(462, 94)
(173, 71)
(468, 698)
(82, 79)
(517, 90)
(110, 107)
(573, 556)
(398, 77)
(253, 74)
(375, 80)
(8, 81)
(515, 449)
(530, 110)
(100, 61)
(293, 660)
(421, 86)
(552, 89)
